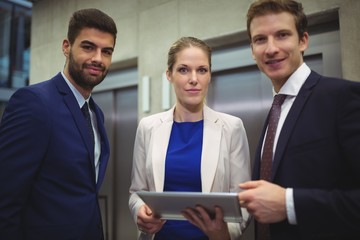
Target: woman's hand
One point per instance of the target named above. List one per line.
(214, 227)
(147, 222)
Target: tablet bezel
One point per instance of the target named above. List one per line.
(168, 205)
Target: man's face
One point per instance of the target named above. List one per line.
(276, 46)
(89, 58)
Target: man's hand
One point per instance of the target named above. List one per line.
(264, 200)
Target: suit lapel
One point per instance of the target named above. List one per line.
(210, 149)
(80, 122)
(159, 144)
(73, 106)
(292, 117)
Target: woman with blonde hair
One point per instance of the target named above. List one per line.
(189, 148)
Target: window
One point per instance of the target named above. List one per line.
(15, 27)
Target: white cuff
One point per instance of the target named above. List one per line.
(290, 208)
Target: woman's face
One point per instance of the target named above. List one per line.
(190, 77)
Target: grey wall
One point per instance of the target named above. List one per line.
(148, 27)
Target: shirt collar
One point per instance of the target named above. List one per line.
(296, 80)
(79, 98)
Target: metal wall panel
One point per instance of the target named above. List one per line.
(119, 104)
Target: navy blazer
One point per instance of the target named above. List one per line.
(47, 173)
(318, 155)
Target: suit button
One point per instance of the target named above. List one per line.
(100, 226)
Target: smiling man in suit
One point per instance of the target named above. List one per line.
(53, 145)
(311, 186)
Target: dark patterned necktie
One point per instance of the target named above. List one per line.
(85, 111)
(263, 231)
(267, 156)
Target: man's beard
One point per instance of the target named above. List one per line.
(82, 79)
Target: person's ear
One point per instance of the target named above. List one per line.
(168, 75)
(252, 51)
(304, 42)
(66, 47)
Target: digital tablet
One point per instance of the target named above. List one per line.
(168, 205)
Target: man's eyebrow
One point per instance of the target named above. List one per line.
(109, 48)
(88, 42)
(93, 44)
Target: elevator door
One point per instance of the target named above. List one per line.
(120, 109)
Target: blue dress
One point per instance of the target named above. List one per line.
(183, 173)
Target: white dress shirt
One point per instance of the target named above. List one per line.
(291, 88)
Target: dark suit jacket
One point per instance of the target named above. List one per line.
(47, 175)
(318, 155)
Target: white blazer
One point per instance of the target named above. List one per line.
(225, 159)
